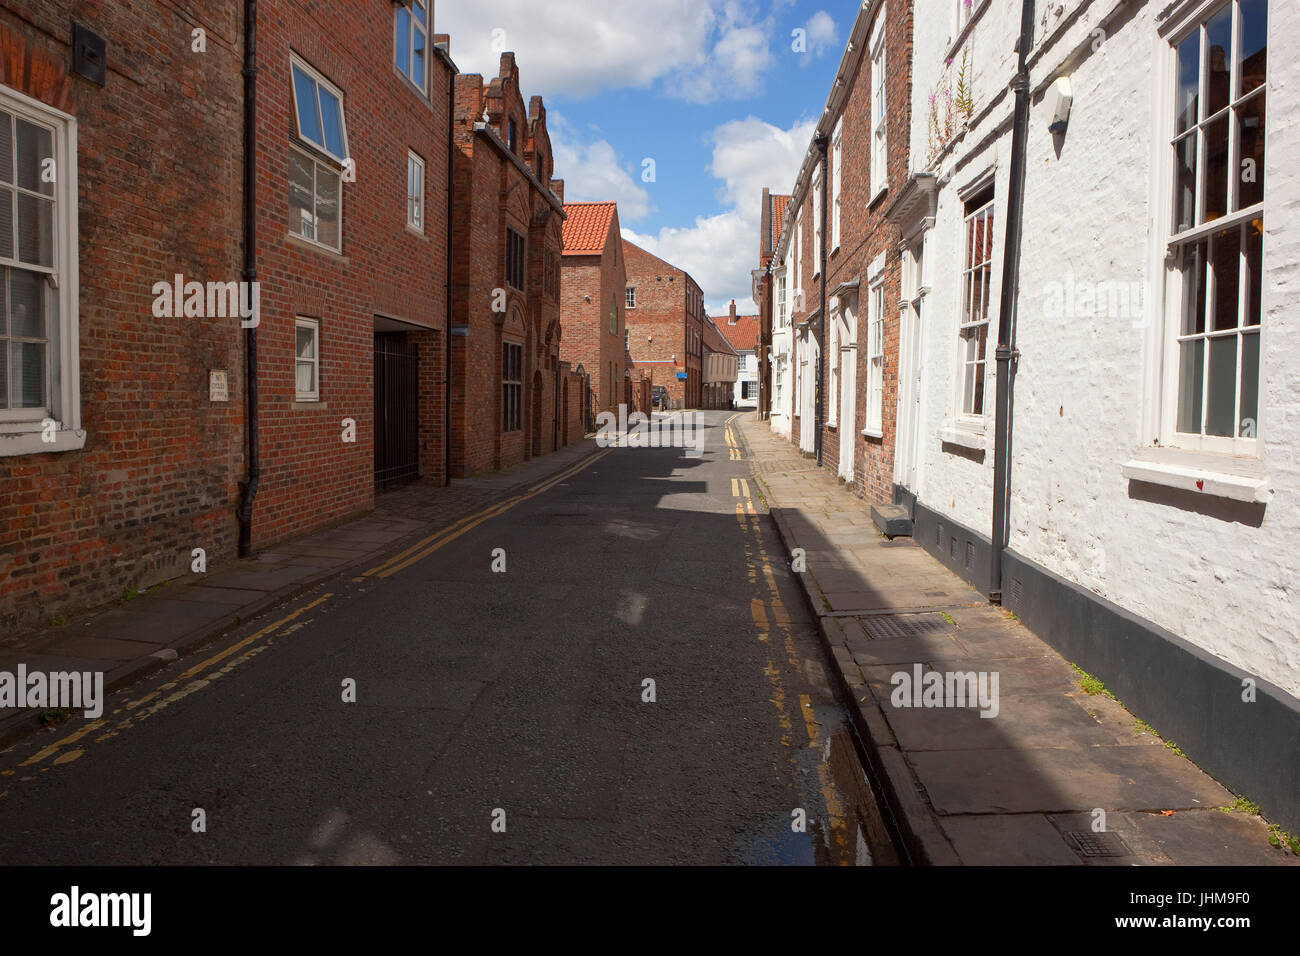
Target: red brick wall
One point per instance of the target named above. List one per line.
(159, 152)
(668, 310)
(587, 339)
(493, 195)
(310, 477)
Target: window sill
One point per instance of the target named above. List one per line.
(302, 243)
(872, 433)
(308, 404)
(30, 443)
(955, 47)
(877, 195)
(955, 433)
(416, 231)
(1220, 476)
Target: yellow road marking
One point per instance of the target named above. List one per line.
(217, 658)
(390, 568)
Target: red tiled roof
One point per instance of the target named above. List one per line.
(778, 217)
(714, 340)
(743, 336)
(587, 227)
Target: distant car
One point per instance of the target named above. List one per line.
(659, 397)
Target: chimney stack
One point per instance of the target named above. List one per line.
(731, 320)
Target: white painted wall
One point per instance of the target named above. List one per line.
(1083, 393)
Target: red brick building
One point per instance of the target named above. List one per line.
(115, 458)
(864, 134)
(720, 366)
(665, 317)
(507, 381)
(593, 296)
(352, 157)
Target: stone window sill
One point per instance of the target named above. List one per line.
(958, 433)
(30, 443)
(1220, 476)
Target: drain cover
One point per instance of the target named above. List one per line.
(1098, 844)
(890, 626)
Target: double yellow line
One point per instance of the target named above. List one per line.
(422, 549)
(733, 440)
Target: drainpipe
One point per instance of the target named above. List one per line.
(1007, 354)
(451, 212)
(249, 486)
(821, 141)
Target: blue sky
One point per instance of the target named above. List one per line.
(711, 90)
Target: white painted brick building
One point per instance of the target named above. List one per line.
(1154, 507)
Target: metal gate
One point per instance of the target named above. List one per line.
(397, 421)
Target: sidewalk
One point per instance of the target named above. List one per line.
(128, 640)
(1024, 785)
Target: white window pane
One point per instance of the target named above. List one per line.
(6, 147)
(306, 342)
(417, 58)
(6, 223)
(327, 206)
(331, 111)
(4, 374)
(302, 216)
(309, 127)
(1249, 424)
(35, 148)
(35, 230)
(1220, 416)
(306, 378)
(27, 374)
(402, 56)
(1190, 379)
(26, 304)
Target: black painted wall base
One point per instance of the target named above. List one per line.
(1187, 694)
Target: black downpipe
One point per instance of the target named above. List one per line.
(451, 212)
(249, 487)
(1006, 350)
(821, 142)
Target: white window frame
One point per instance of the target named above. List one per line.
(798, 257)
(879, 174)
(837, 161)
(629, 297)
(966, 327)
(415, 199)
(782, 313)
(22, 430)
(409, 53)
(1191, 19)
(297, 62)
(832, 402)
(319, 168)
(817, 221)
(875, 383)
(312, 395)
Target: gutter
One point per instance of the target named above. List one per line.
(248, 487)
(452, 72)
(821, 141)
(1007, 353)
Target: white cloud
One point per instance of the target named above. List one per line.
(702, 49)
(594, 172)
(720, 251)
(823, 35)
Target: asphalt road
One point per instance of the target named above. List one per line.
(500, 717)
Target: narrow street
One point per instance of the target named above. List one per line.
(523, 690)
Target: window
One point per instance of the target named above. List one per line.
(627, 340)
(798, 262)
(817, 222)
(740, 362)
(512, 136)
(630, 297)
(1217, 230)
(782, 318)
(551, 275)
(413, 41)
(512, 386)
(879, 121)
(875, 357)
(962, 14)
(307, 360)
(613, 316)
(833, 365)
(315, 175)
(38, 278)
(415, 191)
(837, 158)
(514, 259)
(974, 331)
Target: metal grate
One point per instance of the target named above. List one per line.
(1017, 592)
(1092, 844)
(893, 626)
(397, 409)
